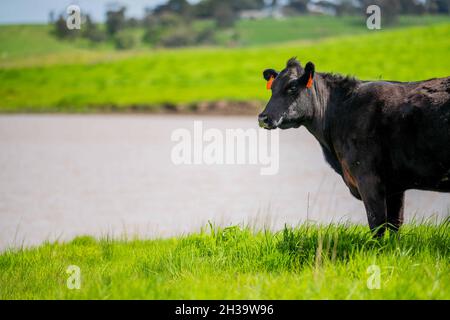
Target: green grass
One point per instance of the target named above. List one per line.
(270, 31)
(25, 41)
(205, 74)
(307, 262)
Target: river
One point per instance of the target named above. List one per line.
(112, 175)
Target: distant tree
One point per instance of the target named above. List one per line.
(239, 5)
(204, 9)
(210, 8)
(157, 26)
(224, 15)
(170, 20)
(91, 31)
(346, 7)
(132, 23)
(438, 6)
(62, 31)
(115, 20)
(299, 6)
(152, 32)
(412, 7)
(170, 29)
(179, 7)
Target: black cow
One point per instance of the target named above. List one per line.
(382, 137)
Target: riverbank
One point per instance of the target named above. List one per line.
(216, 107)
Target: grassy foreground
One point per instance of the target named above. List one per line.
(71, 83)
(307, 262)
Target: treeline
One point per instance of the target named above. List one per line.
(174, 23)
(169, 25)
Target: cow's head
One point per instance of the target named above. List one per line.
(291, 101)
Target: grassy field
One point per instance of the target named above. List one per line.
(22, 41)
(307, 262)
(82, 80)
(270, 31)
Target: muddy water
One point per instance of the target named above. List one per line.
(62, 176)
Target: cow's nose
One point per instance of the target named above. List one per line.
(263, 118)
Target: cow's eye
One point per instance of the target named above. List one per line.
(292, 89)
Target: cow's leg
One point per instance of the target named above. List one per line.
(394, 203)
(373, 194)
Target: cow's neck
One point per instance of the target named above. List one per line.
(328, 92)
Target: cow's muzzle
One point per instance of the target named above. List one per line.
(267, 123)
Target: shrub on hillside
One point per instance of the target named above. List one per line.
(124, 40)
(172, 30)
(178, 38)
(62, 31)
(91, 31)
(115, 20)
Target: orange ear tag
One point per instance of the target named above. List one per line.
(310, 82)
(269, 83)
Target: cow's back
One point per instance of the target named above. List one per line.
(416, 131)
(405, 124)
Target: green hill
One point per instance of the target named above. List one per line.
(91, 80)
(24, 41)
(266, 31)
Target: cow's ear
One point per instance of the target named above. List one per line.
(269, 73)
(307, 78)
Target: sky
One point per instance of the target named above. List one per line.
(37, 11)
